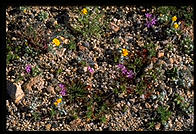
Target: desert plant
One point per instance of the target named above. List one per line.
(164, 114)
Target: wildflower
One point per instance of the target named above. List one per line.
(84, 11)
(58, 101)
(91, 70)
(61, 85)
(25, 10)
(153, 21)
(63, 91)
(176, 25)
(174, 18)
(124, 71)
(148, 15)
(56, 41)
(125, 52)
(28, 68)
(130, 74)
(121, 66)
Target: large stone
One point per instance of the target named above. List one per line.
(37, 82)
(14, 91)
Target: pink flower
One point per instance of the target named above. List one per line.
(91, 70)
(28, 68)
(63, 91)
(148, 15)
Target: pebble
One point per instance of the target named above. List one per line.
(157, 126)
(160, 54)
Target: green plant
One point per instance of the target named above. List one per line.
(103, 119)
(164, 114)
(151, 125)
(89, 112)
(43, 15)
(151, 49)
(36, 116)
(59, 71)
(187, 45)
(91, 24)
(77, 90)
(11, 56)
(140, 87)
(172, 73)
(185, 106)
(36, 71)
(72, 45)
(53, 113)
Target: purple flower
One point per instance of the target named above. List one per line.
(124, 71)
(121, 66)
(91, 70)
(61, 85)
(28, 68)
(130, 74)
(153, 21)
(148, 15)
(63, 92)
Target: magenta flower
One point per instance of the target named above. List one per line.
(61, 85)
(121, 66)
(63, 91)
(28, 68)
(130, 74)
(151, 21)
(148, 15)
(124, 71)
(91, 70)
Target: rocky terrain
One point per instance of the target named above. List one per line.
(126, 68)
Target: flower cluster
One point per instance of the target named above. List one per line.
(91, 70)
(129, 74)
(174, 18)
(84, 11)
(124, 52)
(28, 68)
(56, 42)
(58, 101)
(150, 21)
(63, 91)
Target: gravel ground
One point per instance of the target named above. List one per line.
(122, 28)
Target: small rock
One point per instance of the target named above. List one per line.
(50, 89)
(114, 27)
(160, 54)
(15, 91)
(157, 126)
(147, 105)
(171, 61)
(48, 126)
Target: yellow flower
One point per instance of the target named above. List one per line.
(59, 100)
(125, 52)
(55, 103)
(84, 11)
(56, 41)
(161, 14)
(174, 18)
(25, 10)
(176, 25)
